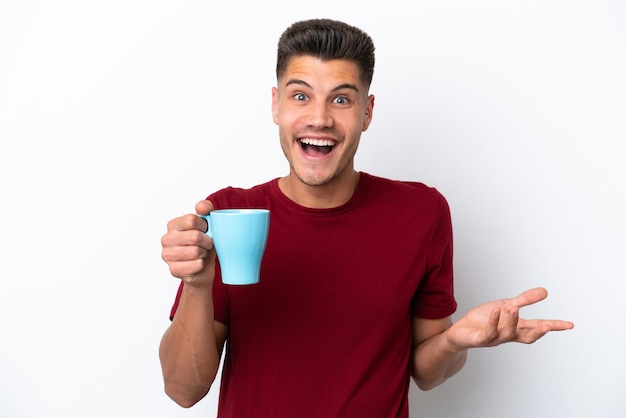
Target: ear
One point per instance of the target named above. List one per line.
(275, 105)
(369, 111)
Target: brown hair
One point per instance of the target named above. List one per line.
(327, 39)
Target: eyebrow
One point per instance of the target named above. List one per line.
(337, 88)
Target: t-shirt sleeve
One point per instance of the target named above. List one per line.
(176, 300)
(434, 298)
(221, 301)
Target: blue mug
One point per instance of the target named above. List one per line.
(239, 237)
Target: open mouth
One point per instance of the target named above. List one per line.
(317, 147)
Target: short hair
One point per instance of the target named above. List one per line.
(327, 39)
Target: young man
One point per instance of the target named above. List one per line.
(356, 290)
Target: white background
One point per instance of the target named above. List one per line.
(117, 116)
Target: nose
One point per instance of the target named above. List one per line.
(320, 116)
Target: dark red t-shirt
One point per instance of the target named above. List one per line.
(327, 331)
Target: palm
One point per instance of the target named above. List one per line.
(497, 322)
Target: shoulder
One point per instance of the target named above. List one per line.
(243, 197)
(403, 190)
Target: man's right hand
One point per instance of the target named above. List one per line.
(188, 250)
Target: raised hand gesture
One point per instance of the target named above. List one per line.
(497, 322)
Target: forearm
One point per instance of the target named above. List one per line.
(189, 352)
(435, 360)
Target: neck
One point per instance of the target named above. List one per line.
(326, 196)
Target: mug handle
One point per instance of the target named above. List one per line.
(208, 231)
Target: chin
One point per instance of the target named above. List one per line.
(313, 179)
(317, 178)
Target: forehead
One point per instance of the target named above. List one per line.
(309, 69)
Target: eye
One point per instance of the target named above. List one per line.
(301, 97)
(342, 100)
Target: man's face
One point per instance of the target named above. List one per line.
(321, 108)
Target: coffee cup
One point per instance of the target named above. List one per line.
(239, 237)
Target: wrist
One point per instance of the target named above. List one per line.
(198, 288)
(450, 345)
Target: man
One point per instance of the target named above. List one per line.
(356, 290)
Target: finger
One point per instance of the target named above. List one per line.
(199, 223)
(185, 269)
(204, 207)
(178, 253)
(533, 330)
(186, 223)
(509, 321)
(529, 297)
(547, 324)
(560, 325)
(193, 237)
(530, 334)
(491, 330)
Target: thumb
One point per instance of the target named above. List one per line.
(204, 207)
(530, 296)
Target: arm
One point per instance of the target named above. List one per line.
(440, 347)
(191, 347)
(434, 360)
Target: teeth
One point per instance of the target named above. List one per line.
(318, 142)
